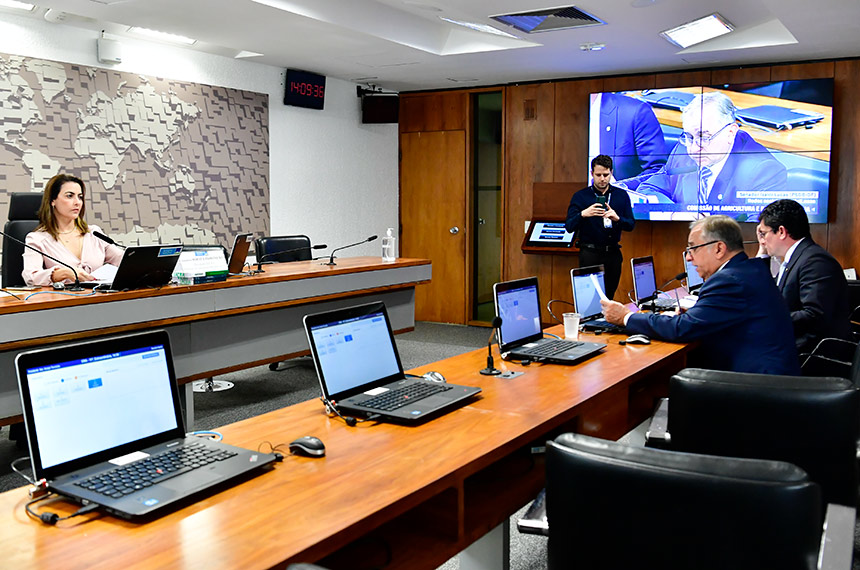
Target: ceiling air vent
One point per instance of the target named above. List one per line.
(549, 19)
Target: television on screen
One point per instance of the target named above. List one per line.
(727, 149)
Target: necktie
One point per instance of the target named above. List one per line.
(704, 176)
(781, 272)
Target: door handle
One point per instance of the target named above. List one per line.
(454, 230)
(481, 221)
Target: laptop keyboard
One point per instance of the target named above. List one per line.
(663, 302)
(553, 347)
(133, 477)
(398, 398)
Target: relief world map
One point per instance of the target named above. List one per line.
(164, 161)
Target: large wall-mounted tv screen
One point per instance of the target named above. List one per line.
(730, 149)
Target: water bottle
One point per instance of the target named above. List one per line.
(389, 249)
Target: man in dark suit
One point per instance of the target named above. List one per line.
(740, 318)
(714, 160)
(810, 279)
(630, 133)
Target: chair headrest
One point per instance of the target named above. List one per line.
(24, 205)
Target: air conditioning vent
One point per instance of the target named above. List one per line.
(549, 19)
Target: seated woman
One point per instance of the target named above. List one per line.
(63, 233)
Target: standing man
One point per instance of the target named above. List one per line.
(740, 318)
(598, 214)
(714, 159)
(810, 279)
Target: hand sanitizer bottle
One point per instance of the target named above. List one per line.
(389, 249)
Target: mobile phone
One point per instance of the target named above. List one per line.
(602, 201)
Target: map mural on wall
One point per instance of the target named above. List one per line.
(163, 161)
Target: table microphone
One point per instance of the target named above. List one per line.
(75, 287)
(677, 277)
(491, 369)
(104, 238)
(260, 260)
(331, 257)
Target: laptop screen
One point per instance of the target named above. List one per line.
(694, 280)
(239, 253)
(644, 280)
(353, 349)
(517, 303)
(586, 298)
(93, 400)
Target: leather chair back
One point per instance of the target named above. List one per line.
(23, 219)
(270, 247)
(810, 422)
(611, 507)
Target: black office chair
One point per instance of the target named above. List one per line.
(615, 507)
(23, 219)
(270, 248)
(810, 422)
(833, 357)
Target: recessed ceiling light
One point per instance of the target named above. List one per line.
(161, 36)
(244, 53)
(478, 27)
(591, 46)
(698, 31)
(17, 5)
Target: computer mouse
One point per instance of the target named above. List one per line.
(434, 376)
(638, 339)
(308, 446)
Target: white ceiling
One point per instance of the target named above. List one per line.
(402, 45)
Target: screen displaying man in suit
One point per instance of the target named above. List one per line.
(714, 160)
(740, 317)
(810, 279)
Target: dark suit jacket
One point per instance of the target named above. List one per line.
(816, 292)
(749, 167)
(740, 319)
(631, 135)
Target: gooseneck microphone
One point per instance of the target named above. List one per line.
(491, 369)
(75, 287)
(106, 239)
(677, 277)
(262, 259)
(331, 257)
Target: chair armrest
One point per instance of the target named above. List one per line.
(837, 540)
(534, 520)
(657, 434)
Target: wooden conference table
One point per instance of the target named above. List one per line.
(385, 495)
(216, 327)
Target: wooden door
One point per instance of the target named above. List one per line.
(433, 218)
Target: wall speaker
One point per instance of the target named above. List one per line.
(109, 51)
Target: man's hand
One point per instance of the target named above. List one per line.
(610, 213)
(593, 210)
(614, 311)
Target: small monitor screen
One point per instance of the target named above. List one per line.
(586, 297)
(694, 280)
(644, 280)
(551, 234)
(519, 309)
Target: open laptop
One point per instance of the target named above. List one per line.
(104, 426)
(239, 253)
(520, 335)
(359, 368)
(694, 280)
(645, 285)
(586, 298)
(142, 266)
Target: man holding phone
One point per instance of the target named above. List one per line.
(598, 214)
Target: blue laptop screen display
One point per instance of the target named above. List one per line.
(644, 281)
(693, 277)
(89, 405)
(520, 313)
(354, 352)
(585, 295)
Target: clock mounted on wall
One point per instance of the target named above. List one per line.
(304, 89)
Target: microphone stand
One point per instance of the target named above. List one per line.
(75, 287)
(491, 369)
(331, 258)
(274, 253)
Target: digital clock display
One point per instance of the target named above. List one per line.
(305, 89)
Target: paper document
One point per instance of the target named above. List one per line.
(597, 287)
(105, 273)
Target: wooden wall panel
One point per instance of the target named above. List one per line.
(802, 71)
(629, 83)
(844, 223)
(742, 75)
(571, 129)
(445, 111)
(682, 79)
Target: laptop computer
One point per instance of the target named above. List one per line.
(239, 253)
(694, 280)
(104, 426)
(520, 335)
(586, 298)
(142, 266)
(645, 285)
(359, 368)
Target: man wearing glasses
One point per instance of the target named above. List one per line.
(740, 318)
(714, 159)
(811, 280)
